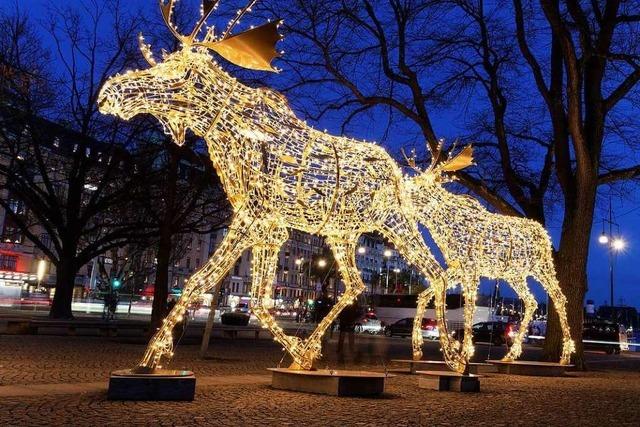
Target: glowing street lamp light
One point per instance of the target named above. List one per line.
(618, 244)
(299, 261)
(362, 250)
(387, 254)
(322, 263)
(603, 239)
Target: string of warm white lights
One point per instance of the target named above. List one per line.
(477, 243)
(278, 173)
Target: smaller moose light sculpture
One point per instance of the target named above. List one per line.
(477, 243)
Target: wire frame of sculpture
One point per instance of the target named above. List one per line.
(278, 173)
(477, 243)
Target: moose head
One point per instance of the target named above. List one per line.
(188, 89)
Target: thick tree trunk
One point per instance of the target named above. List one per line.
(65, 281)
(161, 289)
(161, 286)
(571, 267)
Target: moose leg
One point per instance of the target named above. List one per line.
(264, 263)
(423, 300)
(345, 256)
(550, 283)
(416, 337)
(530, 306)
(408, 241)
(470, 292)
(230, 249)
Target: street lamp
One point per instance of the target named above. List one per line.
(362, 250)
(387, 254)
(322, 263)
(614, 245)
(396, 270)
(298, 263)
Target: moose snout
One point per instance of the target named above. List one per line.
(108, 100)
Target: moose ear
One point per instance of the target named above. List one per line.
(253, 49)
(460, 161)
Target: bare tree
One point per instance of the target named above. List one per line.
(542, 91)
(79, 190)
(184, 197)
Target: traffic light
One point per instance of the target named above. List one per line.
(115, 283)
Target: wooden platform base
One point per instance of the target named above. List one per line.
(448, 381)
(335, 383)
(160, 384)
(439, 365)
(537, 369)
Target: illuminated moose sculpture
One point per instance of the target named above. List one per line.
(477, 243)
(277, 172)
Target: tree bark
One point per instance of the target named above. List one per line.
(161, 286)
(65, 282)
(161, 289)
(571, 267)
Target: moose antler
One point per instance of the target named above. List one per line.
(206, 8)
(236, 20)
(435, 157)
(253, 49)
(460, 161)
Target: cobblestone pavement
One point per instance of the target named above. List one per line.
(607, 395)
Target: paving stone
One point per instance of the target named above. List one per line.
(607, 396)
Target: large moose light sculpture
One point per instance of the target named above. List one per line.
(277, 172)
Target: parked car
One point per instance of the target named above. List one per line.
(369, 323)
(235, 318)
(603, 335)
(496, 332)
(404, 328)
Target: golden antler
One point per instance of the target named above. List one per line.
(167, 12)
(460, 161)
(236, 19)
(253, 49)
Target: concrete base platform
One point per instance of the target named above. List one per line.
(323, 381)
(159, 384)
(439, 365)
(537, 369)
(448, 381)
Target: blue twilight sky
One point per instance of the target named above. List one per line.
(626, 210)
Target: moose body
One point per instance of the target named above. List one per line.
(314, 180)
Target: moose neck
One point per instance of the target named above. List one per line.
(227, 134)
(443, 206)
(439, 204)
